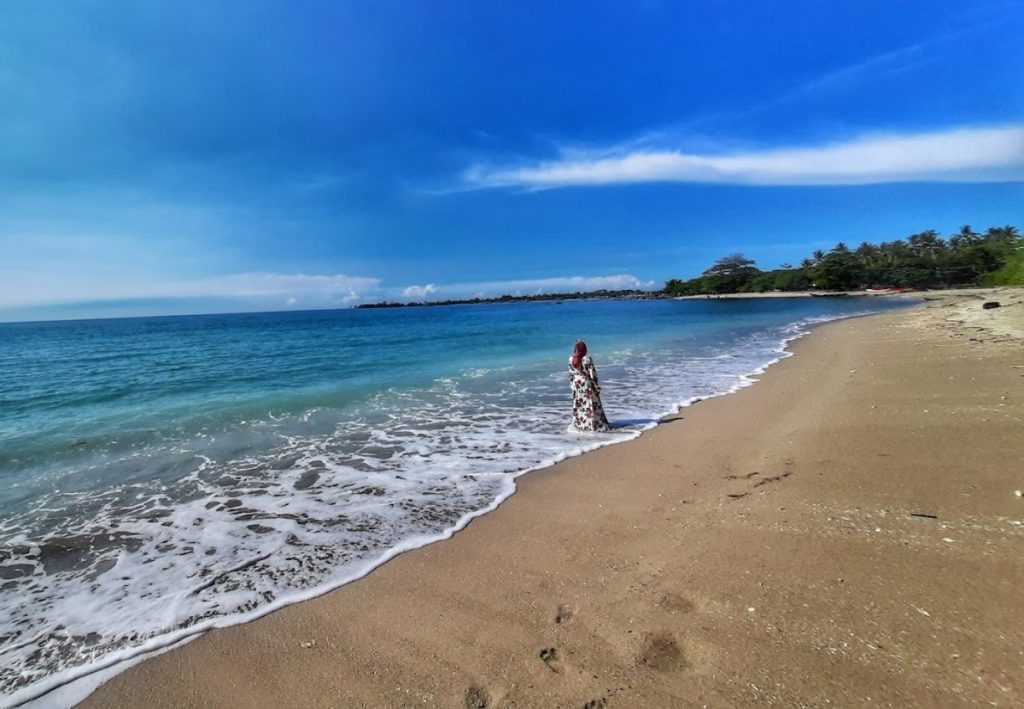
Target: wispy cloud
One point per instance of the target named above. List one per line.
(558, 284)
(955, 155)
(861, 75)
(872, 67)
(891, 61)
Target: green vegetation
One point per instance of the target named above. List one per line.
(1011, 273)
(923, 260)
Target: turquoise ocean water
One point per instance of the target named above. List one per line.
(161, 476)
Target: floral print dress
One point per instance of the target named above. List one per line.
(587, 412)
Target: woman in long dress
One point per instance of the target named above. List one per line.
(587, 412)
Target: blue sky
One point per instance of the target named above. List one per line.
(162, 158)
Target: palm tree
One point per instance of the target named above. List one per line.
(963, 238)
(1003, 234)
(892, 252)
(867, 254)
(927, 244)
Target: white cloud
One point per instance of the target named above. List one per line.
(419, 291)
(560, 284)
(956, 155)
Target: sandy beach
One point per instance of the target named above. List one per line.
(847, 532)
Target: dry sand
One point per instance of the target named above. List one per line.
(844, 533)
(963, 313)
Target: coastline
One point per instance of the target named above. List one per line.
(642, 399)
(628, 548)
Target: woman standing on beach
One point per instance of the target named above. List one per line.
(587, 412)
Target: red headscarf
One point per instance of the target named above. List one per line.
(578, 351)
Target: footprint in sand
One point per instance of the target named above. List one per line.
(599, 703)
(772, 479)
(675, 603)
(741, 477)
(564, 613)
(660, 651)
(477, 698)
(549, 655)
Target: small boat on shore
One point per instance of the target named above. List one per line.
(887, 290)
(839, 294)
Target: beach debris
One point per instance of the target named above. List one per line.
(988, 305)
(309, 644)
(923, 515)
(922, 611)
(947, 540)
(751, 609)
(736, 495)
(1018, 493)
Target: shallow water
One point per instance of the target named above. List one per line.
(161, 476)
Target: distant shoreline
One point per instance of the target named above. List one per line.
(643, 295)
(539, 297)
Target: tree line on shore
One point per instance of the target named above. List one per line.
(922, 260)
(577, 295)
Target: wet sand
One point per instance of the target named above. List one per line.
(844, 533)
